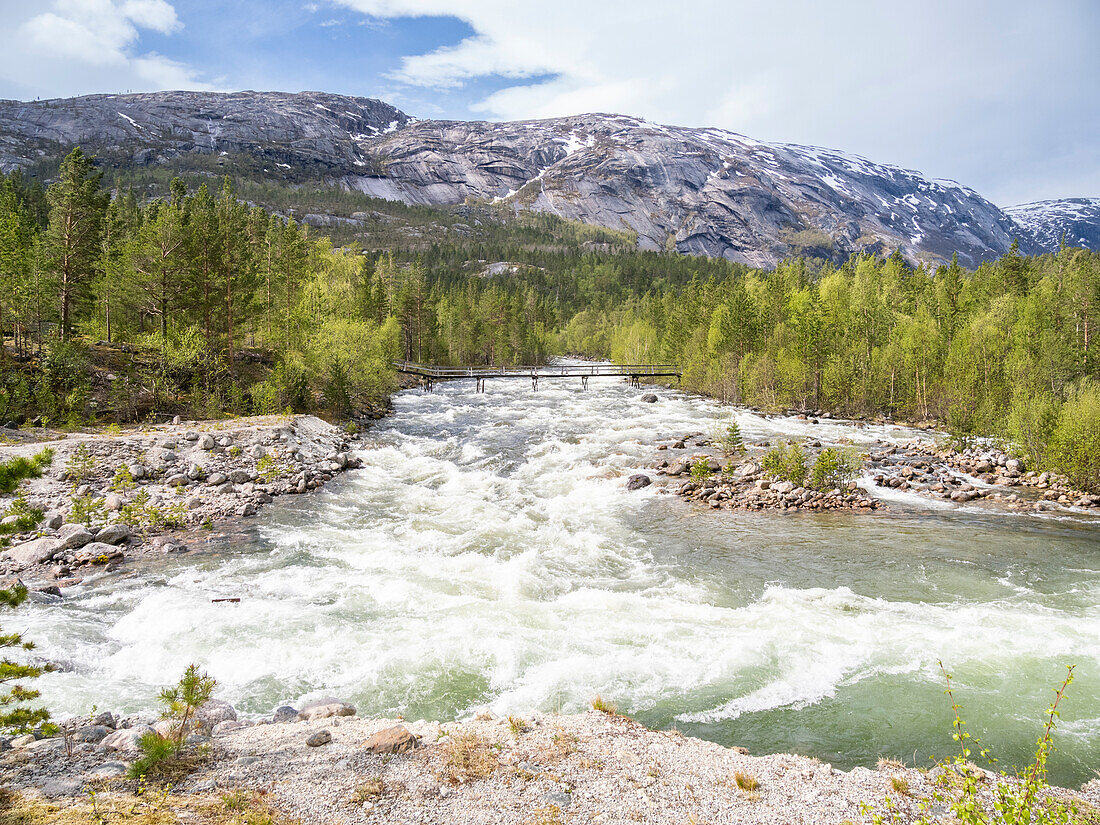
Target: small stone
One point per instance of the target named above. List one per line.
(562, 800)
(239, 476)
(216, 479)
(206, 442)
(137, 471)
(176, 480)
(257, 452)
(215, 711)
(321, 737)
(97, 552)
(195, 472)
(649, 398)
(638, 481)
(52, 519)
(397, 739)
(91, 733)
(175, 421)
(125, 740)
(228, 726)
(112, 502)
(285, 714)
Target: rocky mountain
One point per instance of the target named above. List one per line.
(1075, 219)
(699, 191)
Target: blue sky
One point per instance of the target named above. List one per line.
(998, 94)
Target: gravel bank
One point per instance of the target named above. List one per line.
(114, 496)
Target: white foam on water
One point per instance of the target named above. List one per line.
(501, 563)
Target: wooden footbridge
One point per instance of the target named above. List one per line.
(429, 374)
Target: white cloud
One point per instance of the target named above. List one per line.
(976, 90)
(83, 46)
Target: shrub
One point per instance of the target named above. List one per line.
(700, 470)
(14, 471)
(745, 781)
(1023, 799)
(728, 439)
(123, 480)
(1075, 442)
(87, 509)
(603, 706)
(159, 754)
(27, 517)
(834, 468)
(15, 716)
(81, 464)
(787, 462)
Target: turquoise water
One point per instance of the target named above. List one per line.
(487, 556)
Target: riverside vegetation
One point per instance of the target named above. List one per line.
(204, 302)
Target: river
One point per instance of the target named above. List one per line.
(489, 557)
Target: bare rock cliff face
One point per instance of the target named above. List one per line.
(698, 191)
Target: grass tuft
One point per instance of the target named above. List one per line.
(746, 781)
(466, 757)
(603, 706)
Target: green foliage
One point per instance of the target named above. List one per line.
(15, 714)
(139, 513)
(700, 470)
(1075, 441)
(181, 701)
(1023, 799)
(81, 464)
(728, 438)
(123, 480)
(787, 462)
(87, 509)
(27, 517)
(834, 467)
(15, 470)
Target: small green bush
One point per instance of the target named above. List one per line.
(27, 517)
(787, 462)
(834, 467)
(14, 471)
(700, 470)
(181, 701)
(728, 438)
(1075, 443)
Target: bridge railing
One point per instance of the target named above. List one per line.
(542, 371)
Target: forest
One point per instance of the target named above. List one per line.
(117, 306)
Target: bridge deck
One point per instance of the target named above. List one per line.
(542, 371)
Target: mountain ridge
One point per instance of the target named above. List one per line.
(700, 191)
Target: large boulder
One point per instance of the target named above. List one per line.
(35, 552)
(74, 535)
(97, 552)
(638, 481)
(113, 534)
(126, 740)
(213, 712)
(649, 398)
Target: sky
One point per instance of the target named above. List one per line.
(1001, 95)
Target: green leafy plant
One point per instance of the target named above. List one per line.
(787, 462)
(123, 480)
(81, 464)
(728, 438)
(1023, 799)
(15, 470)
(15, 715)
(27, 517)
(87, 509)
(181, 702)
(140, 513)
(700, 470)
(834, 467)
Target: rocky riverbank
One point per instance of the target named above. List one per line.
(106, 497)
(697, 471)
(324, 765)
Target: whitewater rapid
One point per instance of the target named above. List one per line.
(488, 556)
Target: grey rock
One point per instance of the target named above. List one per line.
(109, 770)
(74, 535)
(228, 726)
(206, 442)
(321, 737)
(190, 435)
(638, 481)
(126, 740)
(216, 479)
(137, 471)
(37, 551)
(559, 798)
(107, 719)
(215, 711)
(285, 714)
(325, 708)
(257, 452)
(239, 476)
(195, 472)
(52, 519)
(113, 534)
(97, 552)
(59, 788)
(112, 503)
(649, 398)
(91, 733)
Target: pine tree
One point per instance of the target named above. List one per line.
(77, 209)
(15, 716)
